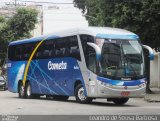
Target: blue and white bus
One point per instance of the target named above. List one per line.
(88, 63)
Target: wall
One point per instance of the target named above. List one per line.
(155, 71)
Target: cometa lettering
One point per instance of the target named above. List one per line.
(57, 66)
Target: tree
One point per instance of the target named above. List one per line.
(139, 16)
(17, 27)
(2, 26)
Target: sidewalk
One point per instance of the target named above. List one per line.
(154, 96)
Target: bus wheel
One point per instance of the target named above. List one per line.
(120, 101)
(28, 91)
(59, 97)
(80, 96)
(21, 91)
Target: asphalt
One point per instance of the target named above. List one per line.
(153, 96)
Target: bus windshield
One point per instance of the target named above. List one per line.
(121, 59)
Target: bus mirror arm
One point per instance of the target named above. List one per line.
(97, 49)
(151, 52)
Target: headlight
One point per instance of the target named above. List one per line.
(142, 85)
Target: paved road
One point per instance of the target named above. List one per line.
(11, 104)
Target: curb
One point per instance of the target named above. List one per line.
(154, 96)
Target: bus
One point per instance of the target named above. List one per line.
(88, 63)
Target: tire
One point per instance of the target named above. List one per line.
(21, 91)
(28, 91)
(120, 101)
(4, 88)
(79, 94)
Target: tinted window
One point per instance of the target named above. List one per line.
(84, 40)
(20, 52)
(11, 53)
(89, 52)
(74, 48)
(45, 50)
(60, 47)
(27, 50)
(55, 48)
(91, 59)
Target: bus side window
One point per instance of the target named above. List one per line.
(84, 40)
(60, 47)
(74, 48)
(18, 53)
(28, 50)
(52, 51)
(58, 51)
(40, 51)
(89, 52)
(22, 52)
(48, 47)
(10, 53)
(46, 53)
(91, 59)
(74, 52)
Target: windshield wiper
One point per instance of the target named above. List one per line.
(128, 62)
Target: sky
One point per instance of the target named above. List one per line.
(59, 16)
(65, 16)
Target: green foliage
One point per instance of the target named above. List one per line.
(2, 19)
(2, 23)
(80, 4)
(139, 16)
(17, 27)
(22, 23)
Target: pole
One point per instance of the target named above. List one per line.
(42, 22)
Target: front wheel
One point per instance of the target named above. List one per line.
(80, 96)
(120, 101)
(4, 88)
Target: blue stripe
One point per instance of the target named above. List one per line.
(119, 82)
(151, 56)
(115, 36)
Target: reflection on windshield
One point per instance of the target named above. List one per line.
(122, 58)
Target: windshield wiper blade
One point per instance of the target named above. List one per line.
(130, 65)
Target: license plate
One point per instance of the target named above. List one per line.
(125, 93)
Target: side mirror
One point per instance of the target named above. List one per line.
(97, 49)
(151, 52)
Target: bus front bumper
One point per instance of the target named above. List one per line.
(110, 91)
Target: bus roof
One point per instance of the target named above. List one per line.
(100, 32)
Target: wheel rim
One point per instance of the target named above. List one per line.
(28, 90)
(22, 90)
(81, 95)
